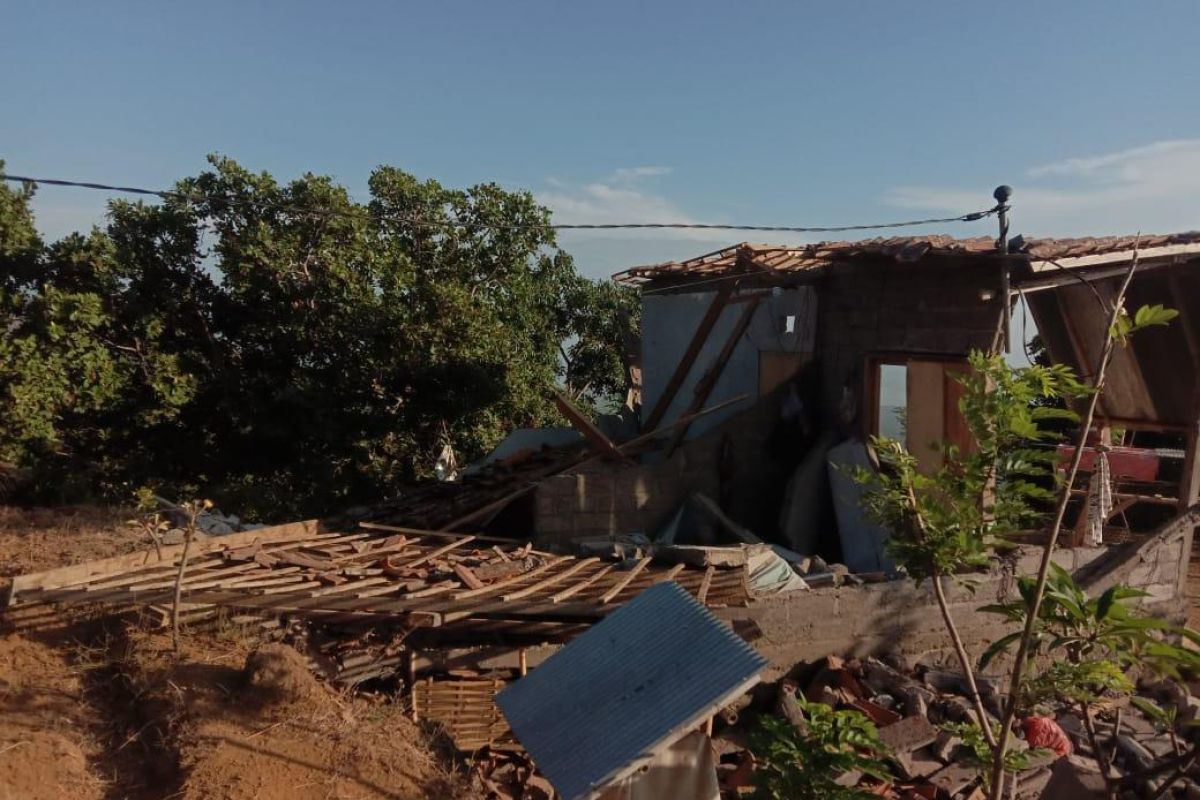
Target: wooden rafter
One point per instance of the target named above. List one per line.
(699, 338)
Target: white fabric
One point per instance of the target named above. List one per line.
(1100, 499)
(684, 771)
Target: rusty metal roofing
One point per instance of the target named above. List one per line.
(1102, 245)
(633, 684)
(1154, 378)
(748, 258)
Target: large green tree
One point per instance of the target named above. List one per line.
(286, 349)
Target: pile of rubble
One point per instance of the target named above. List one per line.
(916, 710)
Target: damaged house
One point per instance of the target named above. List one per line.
(815, 348)
(763, 370)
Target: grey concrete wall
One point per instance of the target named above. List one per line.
(901, 617)
(670, 320)
(732, 463)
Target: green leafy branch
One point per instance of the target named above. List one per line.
(805, 765)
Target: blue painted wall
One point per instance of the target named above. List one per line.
(670, 320)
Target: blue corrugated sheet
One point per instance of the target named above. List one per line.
(630, 685)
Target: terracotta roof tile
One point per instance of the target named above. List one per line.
(749, 258)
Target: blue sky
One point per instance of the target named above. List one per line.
(753, 112)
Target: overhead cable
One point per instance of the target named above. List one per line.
(189, 197)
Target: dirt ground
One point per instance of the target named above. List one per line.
(103, 709)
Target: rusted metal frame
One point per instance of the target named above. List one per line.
(699, 338)
(594, 436)
(624, 581)
(709, 380)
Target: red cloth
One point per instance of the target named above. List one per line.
(1045, 732)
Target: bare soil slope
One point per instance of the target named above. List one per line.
(105, 710)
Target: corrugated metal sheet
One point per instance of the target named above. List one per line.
(1152, 380)
(634, 683)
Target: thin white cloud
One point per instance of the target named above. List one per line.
(1151, 188)
(632, 174)
(624, 196)
(1125, 164)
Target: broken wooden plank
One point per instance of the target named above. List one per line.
(550, 581)
(670, 574)
(579, 587)
(625, 581)
(705, 584)
(504, 584)
(468, 577)
(594, 436)
(111, 567)
(626, 447)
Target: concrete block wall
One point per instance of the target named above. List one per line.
(609, 499)
(878, 307)
(901, 617)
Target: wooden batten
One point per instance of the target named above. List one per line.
(167, 554)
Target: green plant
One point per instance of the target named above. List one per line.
(979, 752)
(951, 522)
(948, 524)
(1144, 317)
(805, 765)
(1083, 628)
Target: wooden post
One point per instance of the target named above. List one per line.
(1189, 484)
(522, 662)
(412, 683)
(594, 436)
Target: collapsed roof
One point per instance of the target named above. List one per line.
(1069, 285)
(748, 258)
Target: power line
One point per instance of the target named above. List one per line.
(175, 195)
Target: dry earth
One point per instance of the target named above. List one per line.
(103, 709)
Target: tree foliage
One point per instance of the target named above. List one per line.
(285, 349)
